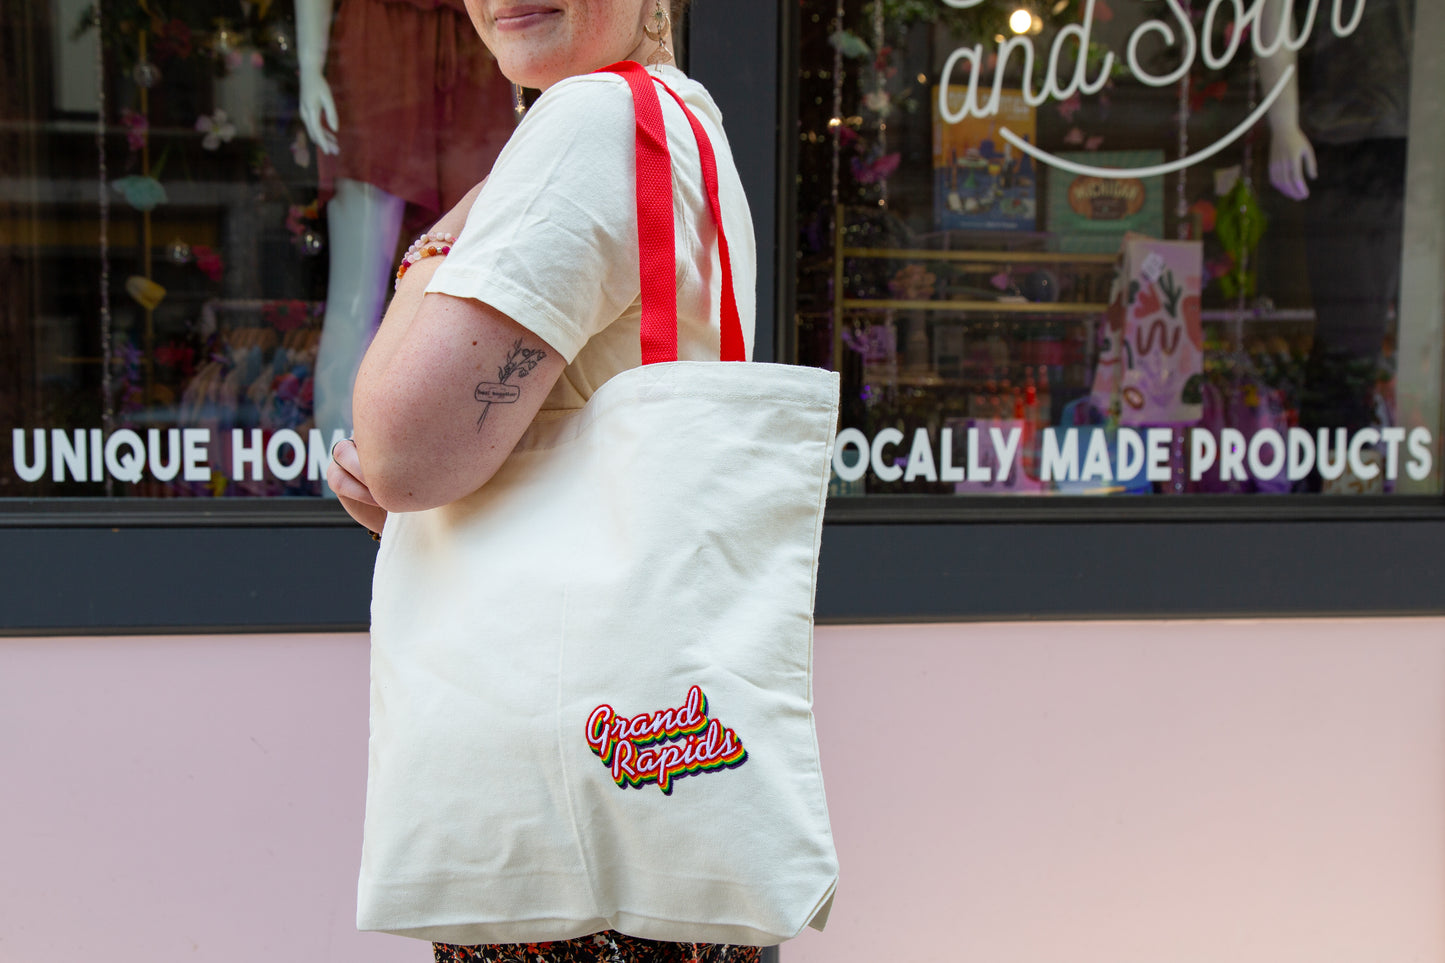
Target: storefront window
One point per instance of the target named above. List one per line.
(200, 210)
(1075, 247)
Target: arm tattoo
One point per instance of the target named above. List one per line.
(520, 362)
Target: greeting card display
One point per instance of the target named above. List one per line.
(1153, 340)
(980, 180)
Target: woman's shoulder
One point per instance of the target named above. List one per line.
(585, 98)
(603, 96)
(589, 116)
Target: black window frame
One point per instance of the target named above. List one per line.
(95, 566)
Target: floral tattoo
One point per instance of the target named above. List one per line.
(520, 362)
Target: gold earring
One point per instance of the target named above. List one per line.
(519, 104)
(658, 30)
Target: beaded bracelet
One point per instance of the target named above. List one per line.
(428, 245)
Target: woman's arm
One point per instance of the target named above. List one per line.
(445, 390)
(453, 379)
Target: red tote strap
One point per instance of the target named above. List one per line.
(657, 254)
(732, 347)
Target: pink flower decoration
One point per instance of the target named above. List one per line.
(875, 171)
(237, 58)
(218, 129)
(136, 128)
(209, 262)
(177, 356)
(1218, 267)
(286, 315)
(1068, 108)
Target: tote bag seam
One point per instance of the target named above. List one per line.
(817, 760)
(820, 502)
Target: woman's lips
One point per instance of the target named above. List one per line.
(522, 17)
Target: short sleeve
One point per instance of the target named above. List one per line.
(551, 240)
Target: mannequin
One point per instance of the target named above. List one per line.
(1340, 150)
(408, 112)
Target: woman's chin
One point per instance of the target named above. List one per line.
(529, 72)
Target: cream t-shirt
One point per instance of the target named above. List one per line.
(551, 240)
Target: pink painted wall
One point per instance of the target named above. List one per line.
(1251, 792)
(1035, 793)
(198, 799)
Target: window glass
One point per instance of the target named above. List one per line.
(201, 207)
(1069, 247)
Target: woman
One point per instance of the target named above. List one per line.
(536, 303)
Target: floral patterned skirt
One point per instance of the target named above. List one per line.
(606, 947)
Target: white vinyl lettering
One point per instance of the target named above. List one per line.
(1006, 448)
(1130, 454)
(1266, 438)
(948, 471)
(1231, 455)
(27, 470)
(125, 467)
(68, 455)
(286, 470)
(1061, 461)
(842, 467)
(195, 442)
(1362, 439)
(1223, 32)
(97, 455)
(920, 458)
(1203, 449)
(977, 470)
(1330, 470)
(243, 454)
(168, 469)
(1301, 453)
(1158, 440)
(882, 467)
(1391, 438)
(1422, 458)
(1096, 459)
(318, 449)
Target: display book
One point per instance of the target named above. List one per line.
(980, 181)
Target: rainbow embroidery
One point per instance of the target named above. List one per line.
(665, 745)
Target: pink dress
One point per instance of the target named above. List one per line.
(422, 109)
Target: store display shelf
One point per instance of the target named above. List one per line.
(980, 254)
(1250, 314)
(928, 379)
(991, 307)
(978, 257)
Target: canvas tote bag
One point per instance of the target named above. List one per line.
(591, 679)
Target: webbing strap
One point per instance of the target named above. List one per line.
(656, 250)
